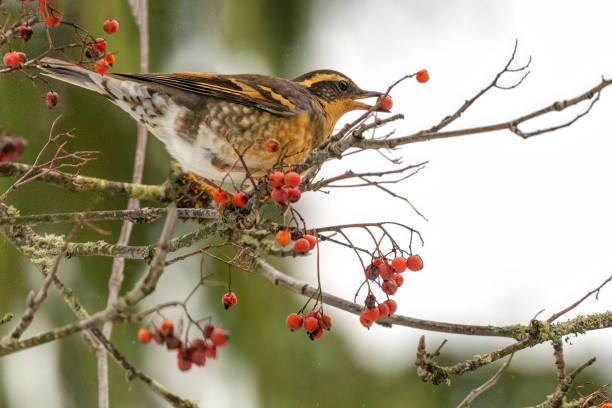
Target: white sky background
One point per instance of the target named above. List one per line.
(515, 226)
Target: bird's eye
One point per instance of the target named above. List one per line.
(343, 85)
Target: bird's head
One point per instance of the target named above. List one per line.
(337, 93)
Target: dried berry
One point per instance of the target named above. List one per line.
(272, 146)
(51, 99)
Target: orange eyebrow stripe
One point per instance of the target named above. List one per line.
(286, 102)
(320, 78)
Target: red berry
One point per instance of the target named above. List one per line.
(385, 271)
(101, 66)
(399, 264)
(51, 99)
(377, 262)
(301, 245)
(173, 343)
(292, 179)
(276, 179)
(99, 45)
(384, 103)
(144, 335)
(316, 335)
(110, 59)
(606, 405)
(208, 329)
(240, 199)
(11, 148)
(229, 300)
(371, 313)
(52, 21)
(422, 76)
(279, 195)
(13, 59)
(272, 146)
(311, 324)
(25, 32)
(111, 26)
(389, 287)
(383, 310)
(294, 321)
(220, 196)
(184, 359)
(211, 351)
(166, 328)
(198, 356)
(365, 320)
(311, 240)
(293, 195)
(283, 237)
(414, 263)
(391, 305)
(325, 322)
(399, 279)
(219, 337)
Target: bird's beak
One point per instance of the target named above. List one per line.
(367, 94)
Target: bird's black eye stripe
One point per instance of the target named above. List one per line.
(343, 85)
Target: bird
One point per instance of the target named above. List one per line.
(214, 124)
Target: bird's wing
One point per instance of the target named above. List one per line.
(249, 90)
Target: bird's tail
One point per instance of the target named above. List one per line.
(72, 73)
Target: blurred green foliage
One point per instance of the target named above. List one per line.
(290, 371)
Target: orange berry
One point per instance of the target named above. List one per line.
(229, 300)
(389, 287)
(606, 405)
(293, 195)
(391, 305)
(301, 245)
(311, 324)
(52, 21)
(325, 322)
(101, 66)
(276, 179)
(292, 179)
(399, 264)
(110, 59)
(422, 76)
(384, 103)
(311, 240)
(377, 262)
(99, 45)
(283, 237)
(383, 310)
(279, 195)
(365, 320)
(294, 321)
(219, 337)
(399, 279)
(371, 313)
(316, 335)
(272, 146)
(220, 196)
(144, 335)
(111, 26)
(166, 328)
(385, 271)
(414, 263)
(240, 199)
(13, 59)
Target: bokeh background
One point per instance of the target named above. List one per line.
(515, 226)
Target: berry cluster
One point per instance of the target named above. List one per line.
(284, 188)
(302, 244)
(314, 323)
(97, 49)
(194, 352)
(222, 197)
(391, 275)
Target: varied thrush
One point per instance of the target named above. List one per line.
(207, 121)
